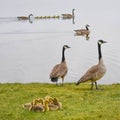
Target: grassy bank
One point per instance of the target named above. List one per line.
(79, 102)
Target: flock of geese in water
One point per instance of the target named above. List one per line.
(82, 32)
(64, 16)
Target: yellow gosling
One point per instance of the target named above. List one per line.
(48, 17)
(37, 105)
(38, 108)
(50, 103)
(37, 17)
(57, 102)
(46, 105)
(58, 16)
(53, 107)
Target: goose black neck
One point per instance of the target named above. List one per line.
(73, 12)
(99, 52)
(30, 16)
(87, 28)
(63, 54)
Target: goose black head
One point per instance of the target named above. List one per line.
(30, 15)
(66, 46)
(87, 25)
(73, 9)
(101, 42)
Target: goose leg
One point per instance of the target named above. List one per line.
(92, 85)
(73, 20)
(96, 85)
(62, 80)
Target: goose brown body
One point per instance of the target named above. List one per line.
(68, 16)
(95, 72)
(83, 32)
(24, 17)
(59, 71)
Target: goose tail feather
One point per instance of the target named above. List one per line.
(54, 79)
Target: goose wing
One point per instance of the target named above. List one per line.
(91, 74)
(80, 30)
(59, 70)
(65, 14)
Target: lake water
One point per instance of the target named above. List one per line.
(28, 51)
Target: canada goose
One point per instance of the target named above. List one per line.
(60, 70)
(25, 17)
(83, 32)
(95, 72)
(68, 16)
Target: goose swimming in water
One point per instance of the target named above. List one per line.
(25, 17)
(96, 72)
(83, 32)
(68, 16)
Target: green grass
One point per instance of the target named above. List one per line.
(79, 102)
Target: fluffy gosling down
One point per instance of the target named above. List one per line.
(43, 104)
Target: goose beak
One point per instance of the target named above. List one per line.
(104, 41)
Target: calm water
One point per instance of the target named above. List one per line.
(28, 52)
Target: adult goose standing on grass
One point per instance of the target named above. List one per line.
(68, 16)
(60, 70)
(96, 72)
(83, 32)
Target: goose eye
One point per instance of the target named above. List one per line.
(100, 42)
